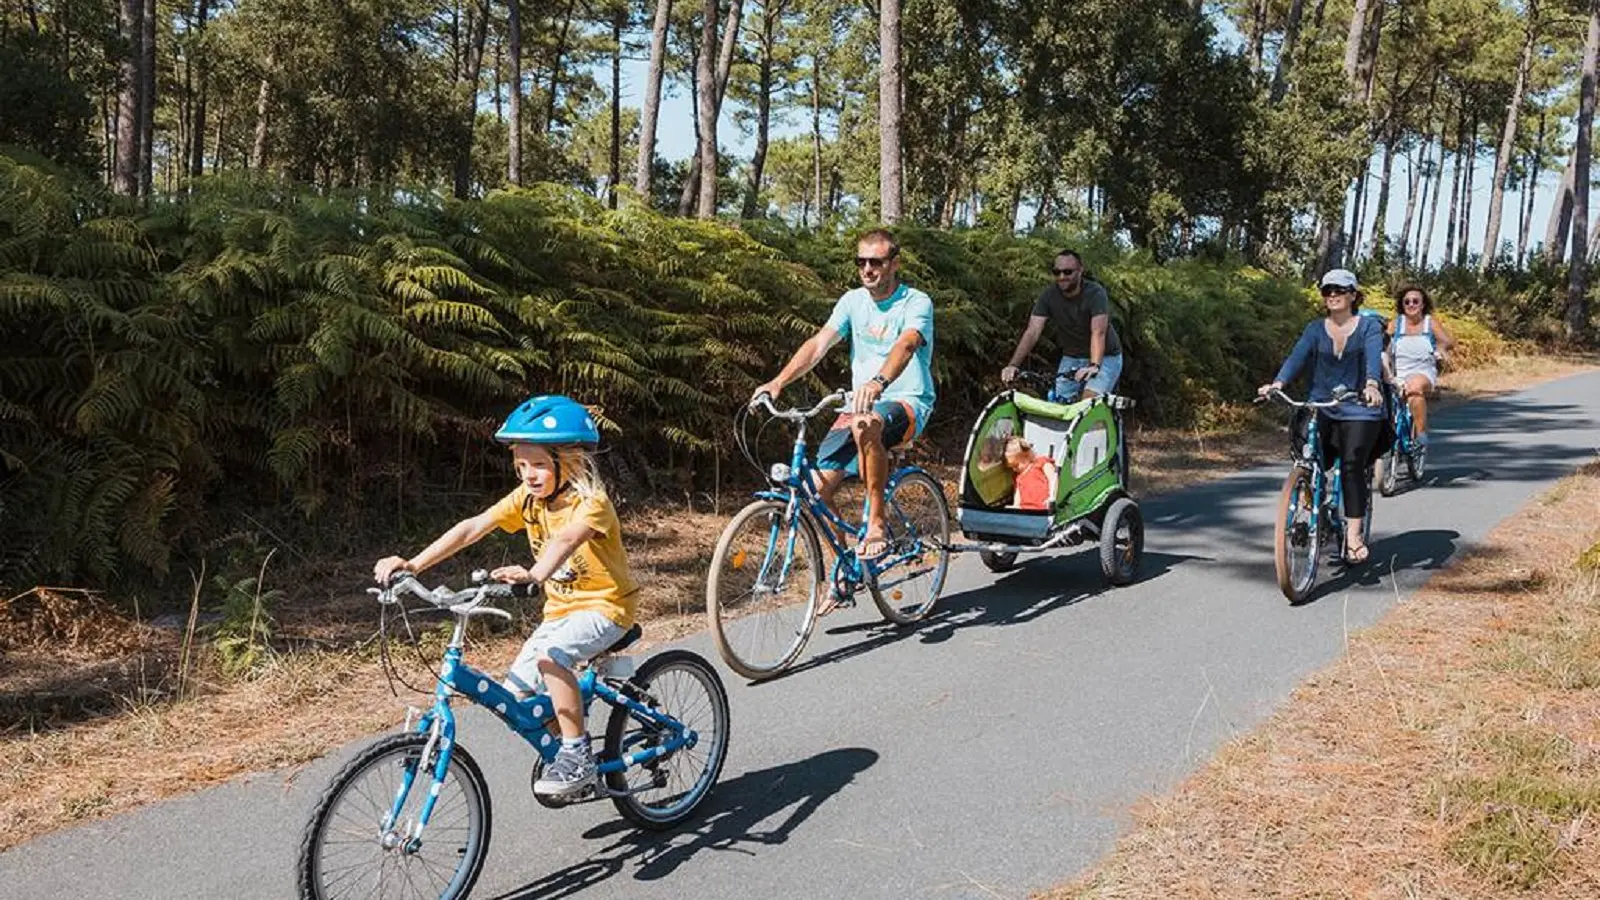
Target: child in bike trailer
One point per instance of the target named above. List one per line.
(1035, 475)
(576, 539)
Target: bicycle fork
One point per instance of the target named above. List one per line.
(440, 724)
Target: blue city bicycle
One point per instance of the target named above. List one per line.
(1407, 448)
(409, 816)
(766, 584)
(1310, 506)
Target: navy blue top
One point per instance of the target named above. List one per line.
(1361, 362)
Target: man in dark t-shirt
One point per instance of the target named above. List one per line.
(1079, 314)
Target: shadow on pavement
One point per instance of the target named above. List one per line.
(1030, 591)
(734, 818)
(1423, 550)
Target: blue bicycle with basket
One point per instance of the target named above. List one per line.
(409, 816)
(1311, 504)
(769, 580)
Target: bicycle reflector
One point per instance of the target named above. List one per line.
(780, 472)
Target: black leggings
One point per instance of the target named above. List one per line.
(1351, 442)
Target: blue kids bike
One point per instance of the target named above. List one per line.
(1311, 505)
(766, 587)
(1412, 451)
(408, 817)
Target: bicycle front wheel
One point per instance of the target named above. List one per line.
(762, 593)
(919, 550)
(347, 852)
(1295, 540)
(685, 687)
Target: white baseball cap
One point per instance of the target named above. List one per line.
(1340, 278)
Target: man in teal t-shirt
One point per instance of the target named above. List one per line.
(890, 327)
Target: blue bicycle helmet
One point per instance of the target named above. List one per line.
(549, 419)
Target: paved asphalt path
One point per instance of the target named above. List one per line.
(990, 752)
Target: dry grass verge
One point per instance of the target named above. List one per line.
(142, 745)
(1453, 752)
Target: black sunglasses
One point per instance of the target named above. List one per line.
(876, 262)
(1331, 291)
(1065, 271)
(1414, 301)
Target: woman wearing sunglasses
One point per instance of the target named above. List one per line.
(1343, 350)
(1419, 345)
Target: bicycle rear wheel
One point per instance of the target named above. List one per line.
(762, 592)
(1295, 539)
(345, 849)
(919, 550)
(685, 687)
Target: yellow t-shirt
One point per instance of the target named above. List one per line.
(603, 583)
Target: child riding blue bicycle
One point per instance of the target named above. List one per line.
(576, 539)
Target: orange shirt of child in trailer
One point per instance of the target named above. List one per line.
(1035, 475)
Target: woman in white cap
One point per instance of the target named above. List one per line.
(1343, 350)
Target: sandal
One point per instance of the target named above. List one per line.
(864, 549)
(1356, 555)
(834, 602)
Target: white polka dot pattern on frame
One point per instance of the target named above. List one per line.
(548, 421)
(483, 685)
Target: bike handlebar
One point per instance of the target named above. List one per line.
(795, 414)
(1340, 395)
(467, 602)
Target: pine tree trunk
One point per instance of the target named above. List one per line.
(706, 207)
(730, 35)
(1358, 210)
(197, 123)
(691, 181)
(514, 101)
(1381, 211)
(1508, 138)
(1530, 190)
(130, 21)
(619, 22)
(1466, 191)
(147, 99)
(1285, 65)
(1576, 319)
(644, 173)
(555, 69)
(1556, 228)
(889, 171)
(468, 93)
(770, 13)
(1425, 249)
(1413, 184)
(816, 134)
(258, 147)
(1451, 227)
(1353, 41)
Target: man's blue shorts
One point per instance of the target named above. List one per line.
(838, 449)
(1069, 389)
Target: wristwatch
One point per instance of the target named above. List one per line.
(882, 382)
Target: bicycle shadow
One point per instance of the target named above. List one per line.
(1029, 592)
(731, 819)
(1422, 550)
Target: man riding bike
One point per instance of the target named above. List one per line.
(890, 327)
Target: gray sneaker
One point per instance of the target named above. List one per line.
(568, 773)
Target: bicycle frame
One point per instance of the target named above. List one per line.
(526, 718)
(1327, 485)
(799, 492)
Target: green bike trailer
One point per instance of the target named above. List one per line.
(1085, 441)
